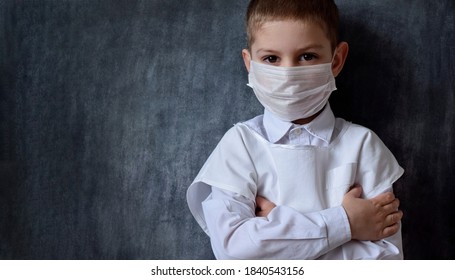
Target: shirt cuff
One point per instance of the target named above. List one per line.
(337, 224)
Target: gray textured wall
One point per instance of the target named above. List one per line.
(109, 108)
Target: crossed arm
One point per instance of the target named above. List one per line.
(245, 229)
(369, 219)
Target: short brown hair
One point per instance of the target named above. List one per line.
(322, 12)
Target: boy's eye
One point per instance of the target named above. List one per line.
(307, 57)
(271, 59)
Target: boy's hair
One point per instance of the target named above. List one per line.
(322, 12)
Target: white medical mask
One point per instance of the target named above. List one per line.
(292, 93)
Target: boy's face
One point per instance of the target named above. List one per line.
(291, 43)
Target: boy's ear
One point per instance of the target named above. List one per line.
(246, 58)
(342, 51)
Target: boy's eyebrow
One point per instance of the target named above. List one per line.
(311, 47)
(306, 48)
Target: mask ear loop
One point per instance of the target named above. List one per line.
(334, 54)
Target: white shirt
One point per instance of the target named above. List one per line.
(308, 222)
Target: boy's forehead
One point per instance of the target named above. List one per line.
(296, 32)
(294, 24)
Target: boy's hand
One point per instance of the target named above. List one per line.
(263, 206)
(372, 219)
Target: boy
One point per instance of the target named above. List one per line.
(295, 182)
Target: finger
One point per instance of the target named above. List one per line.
(390, 230)
(394, 218)
(392, 207)
(384, 198)
(355, 191)
(355, 186)
(260, 200)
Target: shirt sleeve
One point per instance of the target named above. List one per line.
(236, 233)
(386, 249)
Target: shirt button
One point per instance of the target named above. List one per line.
(297, 131)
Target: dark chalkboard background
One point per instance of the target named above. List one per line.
(109, 108)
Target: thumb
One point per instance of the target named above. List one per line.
(355, 191)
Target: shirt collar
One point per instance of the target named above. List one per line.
(321, 127)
